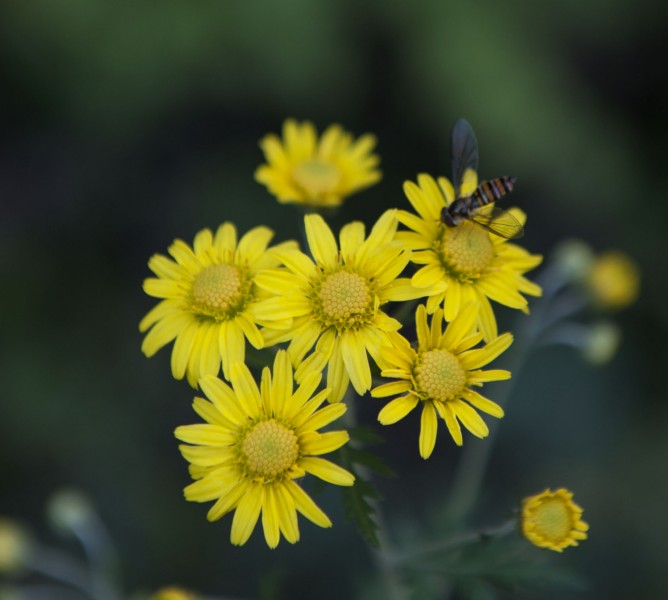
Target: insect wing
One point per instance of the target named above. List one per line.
(464, 152)
(499, 222)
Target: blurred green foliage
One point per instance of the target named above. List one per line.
(125, 125)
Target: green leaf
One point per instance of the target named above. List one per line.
(358, 501)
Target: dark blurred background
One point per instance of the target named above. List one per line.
(125, 125)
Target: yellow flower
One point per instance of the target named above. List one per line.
(463, 264)
(253, 446)
(552, 520)
(173, 593)
(209, 296)
(321, 173)
(15, 546)
(336, 301)
(614, 280)
(440, 374)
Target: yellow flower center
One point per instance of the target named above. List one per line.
(344, 299)
(439, 375)
(316, 176)
(269, 449)
(552, 520)
(219, 291)
(465, 251)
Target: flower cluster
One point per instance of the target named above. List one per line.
(329, 314)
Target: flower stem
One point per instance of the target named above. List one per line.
(439, 547)
(475, 456)
(382, 557)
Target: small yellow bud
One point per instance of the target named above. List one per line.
(614, 281)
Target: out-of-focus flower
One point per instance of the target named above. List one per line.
(319, 173)
(15, 546)
(70, 510)
(552, 520)
(173, 593)
(614, 280)
(463, 264)
(573, 259)
(256, 443)
(337, 300)
(440, 374)
(209, 297)
(601, 343)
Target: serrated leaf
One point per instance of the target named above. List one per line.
(370, 461)
(365, 435)
(358, 508)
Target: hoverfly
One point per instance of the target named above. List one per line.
(467, 208)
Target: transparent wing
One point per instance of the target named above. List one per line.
(499, 222)
(464, 152)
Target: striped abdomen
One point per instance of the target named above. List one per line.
(491, 191)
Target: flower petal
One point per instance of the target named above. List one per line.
(321, 241)
(327, 471)
(397, 409)
(428, 430)
(246, 514)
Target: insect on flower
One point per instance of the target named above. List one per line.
(472, 207)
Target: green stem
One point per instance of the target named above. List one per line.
(475, 456)
(453, 543)
(382, 558)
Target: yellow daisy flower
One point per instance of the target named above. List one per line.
(463, 264)
(209, 296)
(552, 520)
(318, 173)
(336, 299)
(441, 374)
(253, 446)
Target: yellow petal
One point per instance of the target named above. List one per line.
(351, 238)
(460, 327)
(391, 389)
(356, 360)
(474, 359)
(337, 376)
(225, 503)
(210, 355)
(246, 515)
(327, 471)
(253, 245)
(158, 312)
(270, 517)
(250, 330)
(323, 443)
(202, 246)
(397, 409)
(164, 331)
(483, 404)
(245, 389)
(324, 417)
(321, 241)
(281, 386)
(182, 348)
(451, 422)
(225, 239)
(470, 418)
(306, 506)
(224, 399)
(499, 289)
(285, 505)
(231, 345)
(428, 430)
